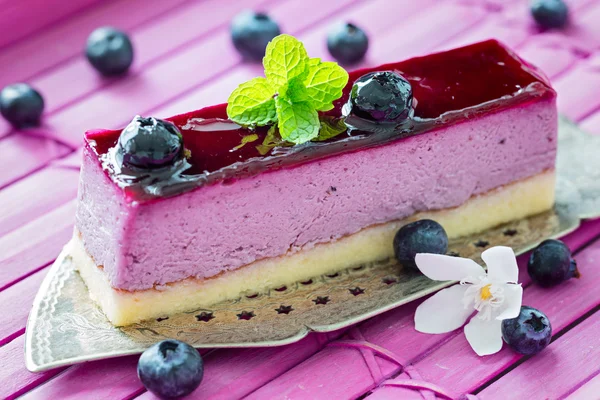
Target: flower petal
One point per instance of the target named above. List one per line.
(513, 297)
(446, 268)
(485, 337)
(501, 264)
(443, 312)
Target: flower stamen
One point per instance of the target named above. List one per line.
(485, 293)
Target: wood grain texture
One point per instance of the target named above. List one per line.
(62, 41)
(35, 244)
(29, 16)
(185, 61)
(25, 154)
(36, 195)
(395, 332)
(588, 390)
(197, 63)
(15, 379)
(571, 358)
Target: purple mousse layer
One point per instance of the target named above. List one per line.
(223, 226)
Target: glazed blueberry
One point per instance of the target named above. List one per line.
(551, 263)
(251, 32)
(347, 43)
(170, 369)
(149, 143)
(423, 236)
(550, 13)
(109, 51)
(380, 97)
(21, 105)
(529, 333)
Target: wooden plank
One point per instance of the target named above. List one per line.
(395, 332)
(578, 91)
(164, 81)
(563, 305)
(591, 124)
(21, 154)
(571, 358)
(24, 17)
(367, 15)
(36, 195)
(36, 244)
(13, 375)
(588, 391)
(184, 24)
(111, 379)
(60, 42)
(552, 61)
(493, 27)
(414, 38)
(19, 298)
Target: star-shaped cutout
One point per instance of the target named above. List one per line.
(388, 280)
(321, 300)
(510, 232)
(204, 316)
(284, 309)
(356, 291)
(160, 319)
(245, 315)
(482, 243)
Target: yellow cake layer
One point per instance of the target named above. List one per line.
(515, 201)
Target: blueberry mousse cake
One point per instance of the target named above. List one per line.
(307, 171)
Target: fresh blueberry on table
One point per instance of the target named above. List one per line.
(380, 97)
(550, 13)
(251, 32)
(110, 51)
(171, 369)
(347, 43)
(423, 236)
(551, 263)
(529, 333)
(149, 143)
(21, 105)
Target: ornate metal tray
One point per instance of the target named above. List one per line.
(65, 326)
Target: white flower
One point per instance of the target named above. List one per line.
(495, 296)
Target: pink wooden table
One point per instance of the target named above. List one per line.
(184, 61)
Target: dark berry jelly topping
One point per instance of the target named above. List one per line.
(447, 88)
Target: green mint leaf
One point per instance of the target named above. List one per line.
(285, 59)
(295, 91)
(252, 103)
(324, 83)
(330, 127)
(298, 122)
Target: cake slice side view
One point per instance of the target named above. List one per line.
(243, 212)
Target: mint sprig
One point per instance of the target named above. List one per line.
(295, 89)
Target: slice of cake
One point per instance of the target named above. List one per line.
(179, 215)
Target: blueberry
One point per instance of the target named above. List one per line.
(149, 143)
(21, 105)
(347, 43)
(529, 333)
(381, 97)
(423, 236)
(109, 51)
(550, 13)
(551, 263)
(251, 32)
(170, 369)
